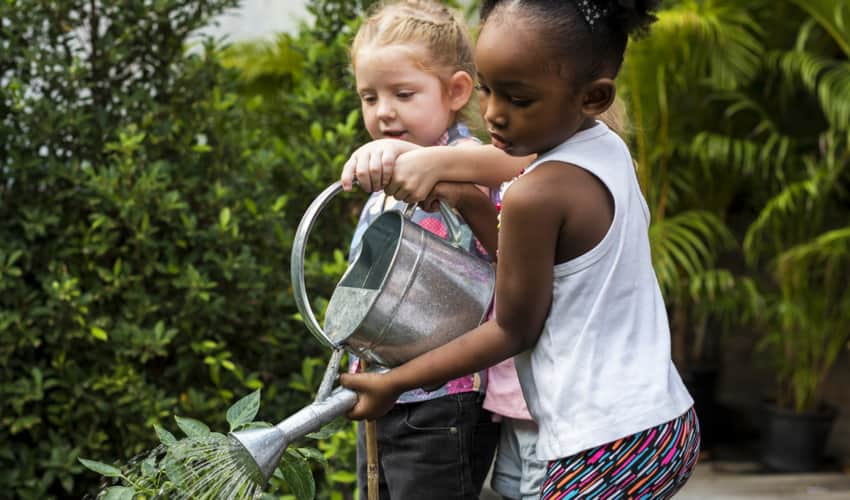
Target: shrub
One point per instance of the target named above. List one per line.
(148, 207)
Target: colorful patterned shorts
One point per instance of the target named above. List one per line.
(652, 464)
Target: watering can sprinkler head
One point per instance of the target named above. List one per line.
(259, 451)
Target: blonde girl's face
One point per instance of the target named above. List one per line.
(399, 99)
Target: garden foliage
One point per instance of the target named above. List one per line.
(148, 202)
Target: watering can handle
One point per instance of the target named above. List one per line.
(452, 222)
(299, 288)
(297, 262)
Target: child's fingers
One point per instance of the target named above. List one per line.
(350, 381)
(387, 162)
(361, 171)
(403, 194)
(374, 398)
(347, 177)
(376, 171)
(430, 204)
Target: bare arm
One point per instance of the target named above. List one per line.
(524, 292)
(417, 171)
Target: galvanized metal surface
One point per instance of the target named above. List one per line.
(407, 292)
(427, 292)
(263, 447)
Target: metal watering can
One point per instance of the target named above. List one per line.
(406, 293)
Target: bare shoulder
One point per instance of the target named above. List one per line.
(555, 183)
(568, 198)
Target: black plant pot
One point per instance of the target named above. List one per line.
(795, 442)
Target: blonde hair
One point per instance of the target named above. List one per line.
(438, 30)
(616, 117)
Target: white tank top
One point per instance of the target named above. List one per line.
(601, 369)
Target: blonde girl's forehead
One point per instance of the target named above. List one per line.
(388, 54)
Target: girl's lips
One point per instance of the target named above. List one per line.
(392, 134)
(499, 141)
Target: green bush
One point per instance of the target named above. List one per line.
(148, 207)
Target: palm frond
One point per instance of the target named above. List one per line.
(832, 92)
(727, 296)
(692, 41)
(782, 217)
(828, 251)
(713, 39)
(799, 66)
(833, 16)
(812, 314)
(797, 212)
(742, 155)
(827, 78)
(685, 245)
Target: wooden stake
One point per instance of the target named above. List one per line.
(371, 454)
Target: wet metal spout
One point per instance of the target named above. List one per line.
(261, 449)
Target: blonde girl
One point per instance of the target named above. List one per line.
(413, 68)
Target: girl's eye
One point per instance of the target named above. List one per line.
(520, 102)
(404, 94)
(482, 88)
(368, 99)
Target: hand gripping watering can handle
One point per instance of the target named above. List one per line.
(298, 248)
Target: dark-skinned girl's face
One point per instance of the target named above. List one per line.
(529, 101)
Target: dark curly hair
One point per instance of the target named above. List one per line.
(602, 42)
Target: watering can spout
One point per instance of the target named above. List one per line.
(259, 450)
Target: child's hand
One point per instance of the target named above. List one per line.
(412, 180)
(453, 193)
(372, 164)
(375, 396)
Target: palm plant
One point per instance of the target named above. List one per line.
(802, 231)
(696, 49)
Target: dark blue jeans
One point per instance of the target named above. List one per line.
(440, 448)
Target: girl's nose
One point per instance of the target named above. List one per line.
(493, 114)
(386, 111)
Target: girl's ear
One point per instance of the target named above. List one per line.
(459, 90)
(598, 96)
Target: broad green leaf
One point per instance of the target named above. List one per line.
(119, 493)
(224, 217)
(149, 467)
(99, 333)
(101, 468)
(330, 428)
(298, 475)
(192, 428)
(243, 411)
(314, 455)
(316, 131)
(165, 437)
(344, 477)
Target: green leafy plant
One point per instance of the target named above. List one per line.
(163, 472)
(801, 233)
(668, 80)
(148, 202)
